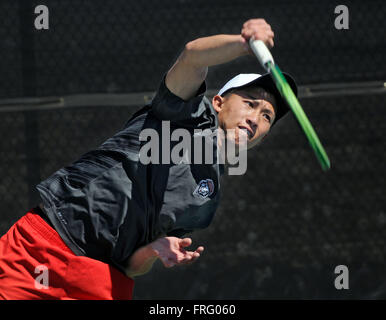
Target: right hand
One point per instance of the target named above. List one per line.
(259, 29)
(170, 250)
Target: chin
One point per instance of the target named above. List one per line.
(241, 143)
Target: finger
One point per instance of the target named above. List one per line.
(186, 242)
(195, 256)
(187, 258)
(258, 35)
(200, 249)
(255, 21)
(246, 33)
(257, 27)
(270, 43)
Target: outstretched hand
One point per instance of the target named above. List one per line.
(170, 250)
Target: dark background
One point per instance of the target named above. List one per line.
(284, 226)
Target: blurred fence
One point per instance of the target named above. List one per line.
(124, 46)
(283, 227)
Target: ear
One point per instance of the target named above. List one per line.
(217, 103)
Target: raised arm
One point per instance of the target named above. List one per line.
(189, 71)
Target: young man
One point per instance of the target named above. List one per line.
(107, 217)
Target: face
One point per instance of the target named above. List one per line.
(249, 112)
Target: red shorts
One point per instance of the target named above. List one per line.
(35, 263)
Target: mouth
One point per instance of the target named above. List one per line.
(248, 130)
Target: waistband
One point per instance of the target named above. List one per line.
(40, 222)
(41, 213)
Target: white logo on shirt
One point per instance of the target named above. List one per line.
(204, 189)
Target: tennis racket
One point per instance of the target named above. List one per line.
(266, 60)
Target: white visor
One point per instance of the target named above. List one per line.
(239, 81)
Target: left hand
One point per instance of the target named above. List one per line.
(171, 252)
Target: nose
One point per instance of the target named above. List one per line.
(252, 122)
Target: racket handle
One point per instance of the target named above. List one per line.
(261, 52)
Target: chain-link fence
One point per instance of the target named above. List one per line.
(124, 46)
(283, 227)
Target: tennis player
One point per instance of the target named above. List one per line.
(107, 217)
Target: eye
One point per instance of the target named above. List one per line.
(249, 103)
(267, 116)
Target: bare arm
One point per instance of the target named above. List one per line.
(189, 71)
(141, 261)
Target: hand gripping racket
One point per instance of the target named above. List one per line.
(266, 60)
